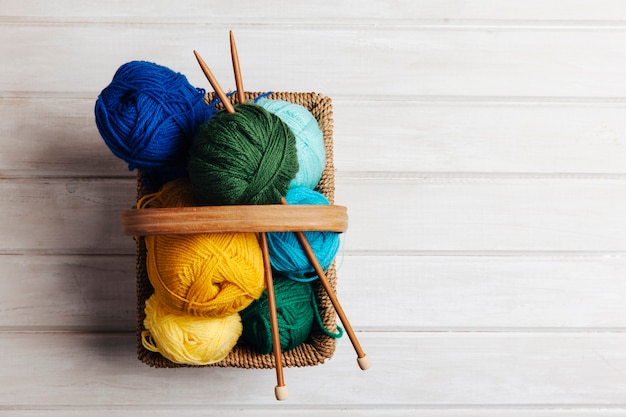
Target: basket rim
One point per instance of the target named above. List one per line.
(234, 218)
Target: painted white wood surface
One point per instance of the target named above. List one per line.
(480, 147)
(416, 293)
(387, 213)
(354, 11)
(440, 136)
(365, 61)
(503, 369)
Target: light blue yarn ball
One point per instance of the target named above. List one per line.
(309, 140)
(286, 254)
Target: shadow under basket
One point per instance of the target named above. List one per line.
(138, 223)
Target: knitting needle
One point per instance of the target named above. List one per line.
(216, 86)
(238, 80)
(362, 359)
(280, 391)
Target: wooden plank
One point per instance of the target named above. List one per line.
(386, 213)
(292, 409)
(476, 293)
(440, 136)
(93, 293)
(410, 370)
(463, 62)
(63, 142)
(250, 11)
(479, 136)
(65, 214)
(384, 293)
(389, 213)
(507, 137)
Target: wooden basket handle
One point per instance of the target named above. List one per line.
(221, 219)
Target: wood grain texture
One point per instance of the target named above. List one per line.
(68, 214)
(386, 213)
(480, 151)
(412, 370)
(88, 293)
(379, 293)
(472, 134)
(64, 141)
(446, 11)
(497, 214)
(425, 62)
(289, 410)
(243, 218)
(483, 293)
(430, 135)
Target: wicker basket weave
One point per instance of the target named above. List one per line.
(319, 346)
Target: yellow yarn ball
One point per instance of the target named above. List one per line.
(175, 193)
(206, 275)
(214, 275)
(188, 340)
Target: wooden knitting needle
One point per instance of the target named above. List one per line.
(213, 81)
(362, 359)
(238, 80)
(280, 391)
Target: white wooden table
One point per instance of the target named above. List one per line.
(480, 149)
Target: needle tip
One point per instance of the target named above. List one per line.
(364, 362)
(281, 392)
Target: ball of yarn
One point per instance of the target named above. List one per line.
(189, 340)
(295, 304)
(214, 274)
(309, 140)
(286, 253)
(174, 193)
(247, 157)
(205, 274)
(148, 115)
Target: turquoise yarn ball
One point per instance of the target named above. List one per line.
(286, 253)
(247, 157)
(296, 311)
(309, 140)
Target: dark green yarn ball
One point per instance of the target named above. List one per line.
(296, 311)
(247, 157)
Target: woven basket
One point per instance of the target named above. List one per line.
(319, 346)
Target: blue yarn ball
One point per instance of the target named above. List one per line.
(148, 116)
(309, 140)
(286, 254)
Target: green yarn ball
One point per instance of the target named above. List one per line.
(246, 157)
(295, 308)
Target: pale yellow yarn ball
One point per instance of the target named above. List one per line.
(188, 340)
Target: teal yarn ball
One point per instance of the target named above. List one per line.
(296, 311)
(247, 157)
(286, 253)
(309, 140)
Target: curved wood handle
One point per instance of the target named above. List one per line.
(220, 219)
